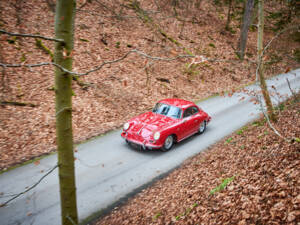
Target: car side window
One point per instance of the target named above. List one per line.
(194, 110)
(187, 112)
(190, 111)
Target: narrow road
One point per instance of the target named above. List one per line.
(107, 170)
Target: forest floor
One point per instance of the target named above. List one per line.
(251, 177)
(107, 30)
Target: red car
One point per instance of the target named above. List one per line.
(171, 121)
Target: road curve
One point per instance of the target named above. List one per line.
(107, 170)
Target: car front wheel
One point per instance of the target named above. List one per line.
(202, 127)
(169, 142)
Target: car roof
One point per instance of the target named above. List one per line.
(181, 103)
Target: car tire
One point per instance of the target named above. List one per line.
(168, 144)
(202, 127)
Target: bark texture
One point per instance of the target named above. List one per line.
(245, 28)
(263, 84)
(64, 29)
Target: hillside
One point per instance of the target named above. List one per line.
(107, 30)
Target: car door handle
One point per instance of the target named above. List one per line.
(196, 121)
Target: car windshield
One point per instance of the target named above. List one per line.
(167, 110)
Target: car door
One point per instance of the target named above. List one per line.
(187, 123)
(196, 119)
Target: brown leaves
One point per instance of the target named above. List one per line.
(266, 190)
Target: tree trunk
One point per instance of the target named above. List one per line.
(64, 29)
(51, 5)
(227, 27)
(263, 84)
(245, 28)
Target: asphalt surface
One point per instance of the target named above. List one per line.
(107, 170)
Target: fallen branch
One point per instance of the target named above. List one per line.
(31, 35)
(161, 79)
(17, 103)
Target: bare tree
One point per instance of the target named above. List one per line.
(64, 29)
(244, 29)
(260, 68)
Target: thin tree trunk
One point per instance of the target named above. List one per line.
(263, 84)
(227, 27)
(245, 28)
(64, 29)
(51, 5)
(4, 83)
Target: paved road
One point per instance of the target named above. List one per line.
(107, 169)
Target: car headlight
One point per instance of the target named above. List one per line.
(156, 136)
(126, 126)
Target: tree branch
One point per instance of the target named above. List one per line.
(32, 36)
(277, 35)
(33, 186)
(291, 90)
(98, 67)
(268, 119)
(269, 43)
(25, 65)
(145, 55)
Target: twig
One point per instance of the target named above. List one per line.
(277, 35)
(63, 109)
(25, 65)
(87, 165)
(71, 220)
(33, 186)
(293, 93)
(155, 58)
(98, 67)
(268, 120)
(269, 43)
(31, 35)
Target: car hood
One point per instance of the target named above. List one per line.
(148, 123)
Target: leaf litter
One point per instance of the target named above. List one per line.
(227, 184)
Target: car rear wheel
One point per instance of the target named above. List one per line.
(202, 127)
(169, 142)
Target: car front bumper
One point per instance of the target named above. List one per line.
(139, 141)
